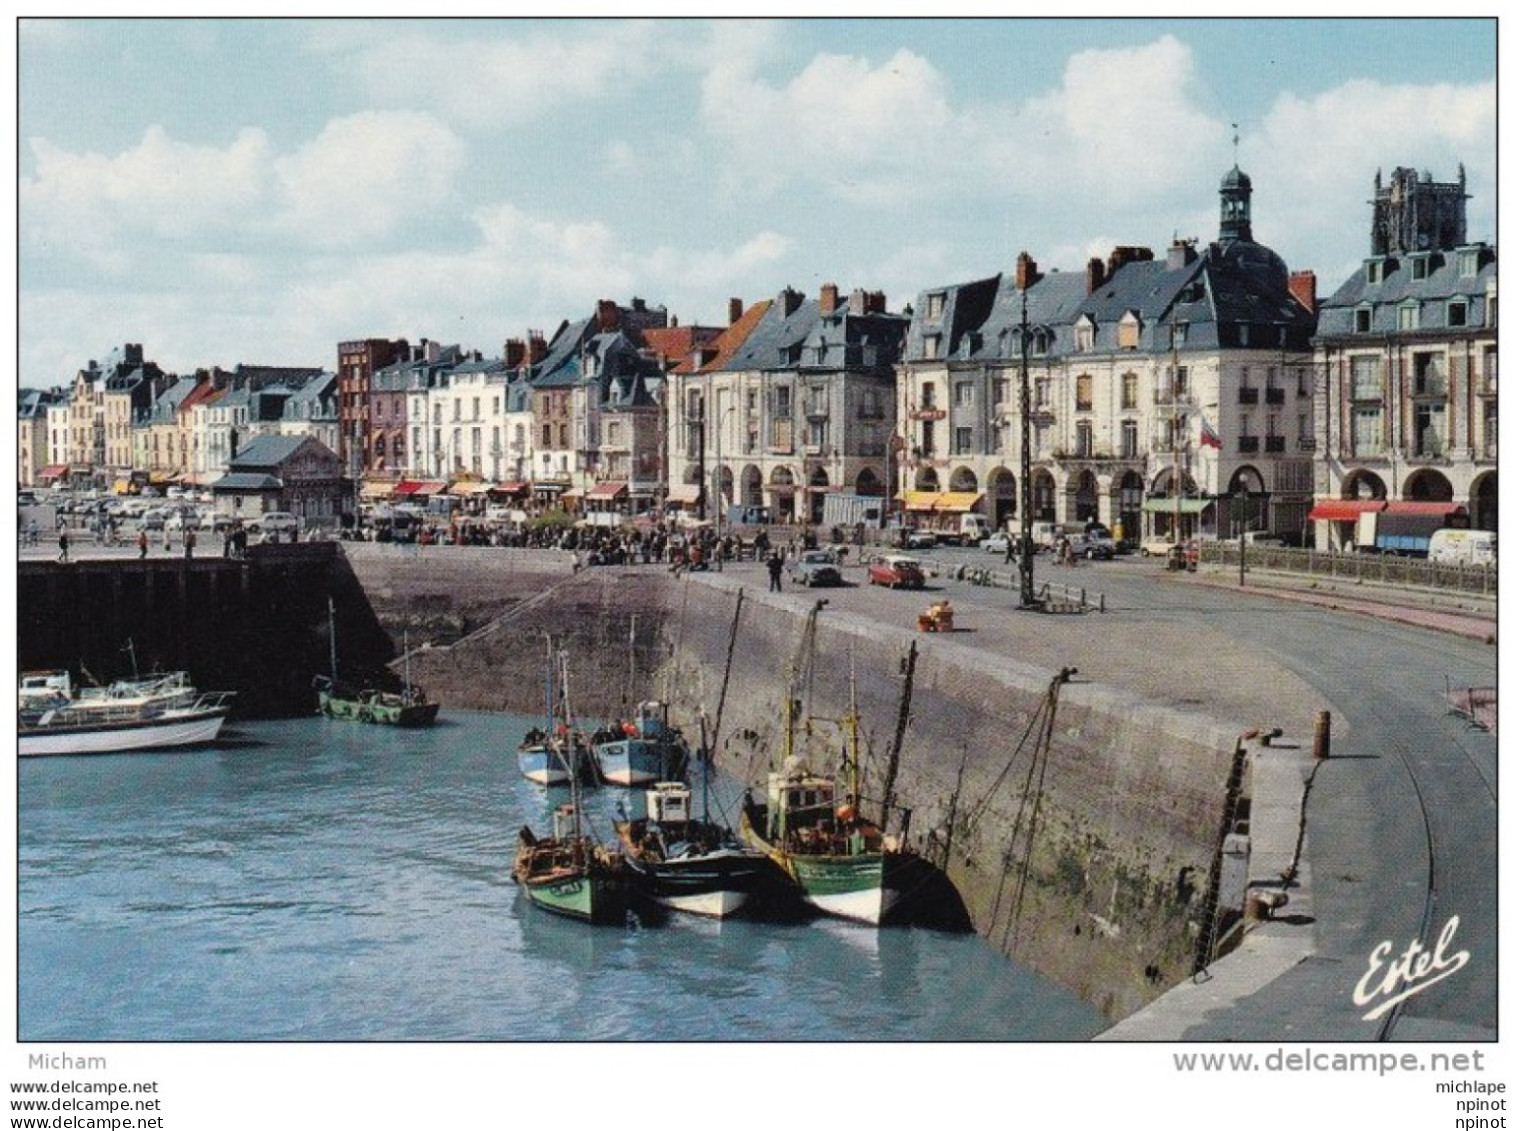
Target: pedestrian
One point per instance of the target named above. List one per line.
(189, 543)
(63, 545)
(141, 544)
(33, 532)
(775, 573)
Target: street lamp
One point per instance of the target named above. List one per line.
(720, 497)
(1241, 501)
(1028, 584)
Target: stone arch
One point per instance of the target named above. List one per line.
(1128, 505)
(1043, 496)
(1362, 484)
(1427, 485)
(781, 492)
(926, 480)
(1083, 496)
(1246, 478)
(1162, 483)
(963, 479)
(1003, 501)
(868, 482)
(752, 486)
(1483, 501)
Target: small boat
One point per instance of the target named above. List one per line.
(554, 758)
(408, 707)
(570, 873)
(641, 750)
(842, 863)
(685, 863)
(157, 713)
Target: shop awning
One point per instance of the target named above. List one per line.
(1343, 510)
(468, 487)
(515, 487)
(1434, 509)
(376, 490)
(1184, 506)
(606, 491)
(684, 493)
(53, 471)
(573, 493)
(950, 502)
(405, 488)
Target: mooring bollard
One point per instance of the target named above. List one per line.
(1322, 749)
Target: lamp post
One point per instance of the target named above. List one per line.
(1241, 501)
(720, 498)
(1028, 585)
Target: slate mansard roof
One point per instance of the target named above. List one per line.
(1467, 273)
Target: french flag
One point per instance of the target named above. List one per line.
(1208, 436)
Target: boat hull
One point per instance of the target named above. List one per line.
(640, 761)
(545, 764)
(171, 730)
(571, 878)
(714, 884)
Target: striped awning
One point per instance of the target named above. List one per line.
(952, 502)
(606, 491)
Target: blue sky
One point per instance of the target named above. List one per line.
(228, 191)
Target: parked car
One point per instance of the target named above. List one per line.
(897, 572)
(815, 567)
(913, 538)
(998, 543)
(275, 526)
(1093, 546)
(1156, 545)
(184, 520)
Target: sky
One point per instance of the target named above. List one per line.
(255, 191)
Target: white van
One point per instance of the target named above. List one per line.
(1464, 547)
(276, 526)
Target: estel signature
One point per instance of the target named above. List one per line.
(1390, 983)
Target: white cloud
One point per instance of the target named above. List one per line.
(365, 175)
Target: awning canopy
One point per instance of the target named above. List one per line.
(573, 493)
(684, 493)
(1343, 510)
(372, 490)
(1415, 507)
(407, 487)
(53, 471)
(515, 487)
(468, 487)
(606, 491)
(955, 502)
(1182, 506)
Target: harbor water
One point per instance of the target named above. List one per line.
(314, 880)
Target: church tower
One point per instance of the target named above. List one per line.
(1236, 206)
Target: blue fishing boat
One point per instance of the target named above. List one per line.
(642, 750)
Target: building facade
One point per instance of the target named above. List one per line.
(1407, 352)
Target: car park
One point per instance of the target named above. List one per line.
(815, 567)
(896, 571)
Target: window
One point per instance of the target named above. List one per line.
(1420, 267)
(1083, 440)
(1130, 331)
(928, 395)
(1362, 319)
(1366, 378)
(1430, 430)
(1041, 392)
(1491, 431)
(1084, 393)
(936, 304)
(1181, 382)
(928, 439)
(931, 347)
(1367, 431)
(1001, 391)
(476, 408)
(1373, 271)
(1128, 434)
(1128, 390)
(1409, 316)
(1457, 312)
(962, 441)
(962, 394)
(1083, 335)
(1430, 381)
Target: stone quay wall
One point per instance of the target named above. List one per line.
(1082, 850)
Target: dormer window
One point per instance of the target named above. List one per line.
(1409, 316)
(1362, 319)
(1083, 334)
(1373, 271)
(1130, 330)
(1467, 262)
(1457, 312)
(936, 304)
(1420, 267)
(931, 347)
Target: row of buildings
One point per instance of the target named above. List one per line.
(1205, 388)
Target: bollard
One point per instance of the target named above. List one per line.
(1322, 735)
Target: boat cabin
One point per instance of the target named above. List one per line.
(668, 803)
(798, 799)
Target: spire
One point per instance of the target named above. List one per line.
(1235, 204)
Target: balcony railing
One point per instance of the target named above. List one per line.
(1273, 444)
(1246, 443)
(1246, 396)
(1275, 396)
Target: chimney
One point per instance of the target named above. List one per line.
(1025, 271)
(536, 346)
(878, 302)
(1180, 254)
(607, 315)
(829, 294)
(515, 353)
(789, 301)
(1126, 253)
(1095, 274)
(1302, 287)
(733, 311)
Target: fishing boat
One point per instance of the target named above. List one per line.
(158, 713)
(555, 753)
(642, 750)
(570, 873)
(813, 828)
(408, 707)
(684, 862)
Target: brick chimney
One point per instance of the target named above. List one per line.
(1095, 274)
(515, 353)
(536, 346)
(1126, 253)
(1302, 287)
(607, 315)
(1025, 271)
(829, 294)
(733, 311)
(789, 301)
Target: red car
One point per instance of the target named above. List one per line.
(897, 572)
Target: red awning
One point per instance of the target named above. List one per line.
(1424, 508)
(1344, 510)
(409, 487)
(406, 487)
(606, 491)
(53, 471)
(513, 488)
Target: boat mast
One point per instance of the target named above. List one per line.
(854, 771)
(566, 744)
(331, 635)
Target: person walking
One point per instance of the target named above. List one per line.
(189, 542)
(141, 544)
(63, 545)
(775, 573)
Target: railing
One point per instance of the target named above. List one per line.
(1052, 596)
(1386, 568)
